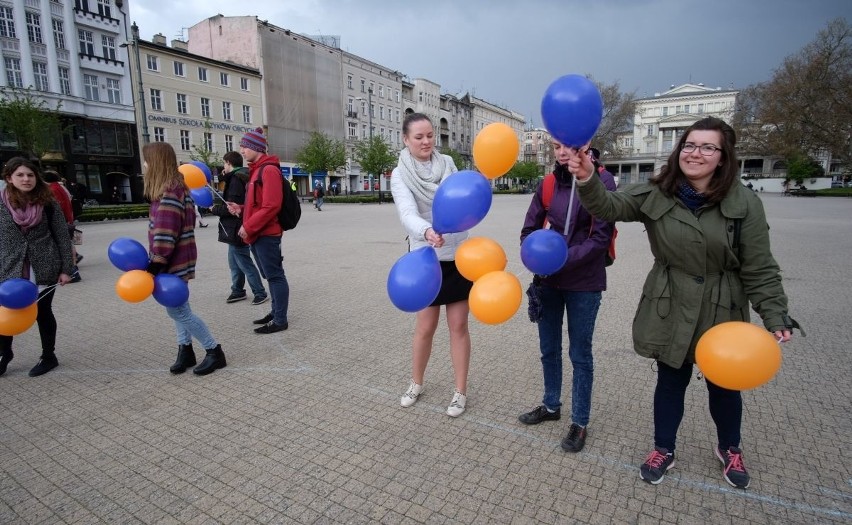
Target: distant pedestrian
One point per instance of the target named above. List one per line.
(319, 196)
(63, 198)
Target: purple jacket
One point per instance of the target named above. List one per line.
(585, 270)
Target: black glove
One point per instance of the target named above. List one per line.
(154, 268)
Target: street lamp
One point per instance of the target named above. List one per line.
(134, 29)
(370, 125)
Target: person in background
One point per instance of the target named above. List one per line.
(34, 245)
(414, 183)
(171, 245)
(712, 264)
(319, 196)
(63, 198)
(572, 294)
(239, 254)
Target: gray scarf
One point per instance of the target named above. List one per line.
(423, 182)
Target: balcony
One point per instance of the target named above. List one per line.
(63, 55)
(352, 114)
(10, 44)
(56, 8)
(38, 50)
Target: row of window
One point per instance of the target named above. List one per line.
(14, 78)
(709, 107)
(380, 93)
(350, 107)
(182, 105)
(207, 139)
(104, 8)
(386, 133)
(153, 62)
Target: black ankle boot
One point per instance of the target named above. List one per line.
(185, 359)
(214, 360)
(6, 356)
(47, 363)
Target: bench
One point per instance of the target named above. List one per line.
(799, 192)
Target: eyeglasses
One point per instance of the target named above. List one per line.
(706, 149)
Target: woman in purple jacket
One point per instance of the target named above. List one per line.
(573, 291)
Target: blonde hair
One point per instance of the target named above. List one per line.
(162, 172)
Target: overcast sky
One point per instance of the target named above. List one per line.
(509, 51)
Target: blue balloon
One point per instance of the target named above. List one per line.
(170, 290)
(415, 280)
(128, 254)
(572, 109)
(204, 168)
(202, 197)
(461, 202)
(17, 293)
(544, 252)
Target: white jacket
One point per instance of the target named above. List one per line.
(416, 217)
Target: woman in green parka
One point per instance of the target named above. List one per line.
(710, 241)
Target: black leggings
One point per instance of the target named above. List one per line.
(46, 324)
(726, 407)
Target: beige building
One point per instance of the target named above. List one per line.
(537, 147)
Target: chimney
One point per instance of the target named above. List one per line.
(159, 39)
(180, 44)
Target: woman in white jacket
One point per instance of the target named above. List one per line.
(413, 184)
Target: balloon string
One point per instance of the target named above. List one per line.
(570, 207)
(46, 288)
(210, 185)
(780, 339)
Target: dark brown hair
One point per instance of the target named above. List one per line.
(233, 158)
(413, 117)
(40, 194)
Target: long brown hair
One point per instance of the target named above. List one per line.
(162, 172)
(40, 194)
(726, 173)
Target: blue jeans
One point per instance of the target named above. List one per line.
(190, 325)
(267, 251)
(320, 200)
(582, 311)
(242, 268)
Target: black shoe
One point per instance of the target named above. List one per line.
(185, 359)
(79, 258)
(537, 415)
(5, 358)
(733, 468)
(259, 300)
(575, 440)
(203, 225)
(214, 360)
(45, 365)
(266, 319)
(271, 328)
(235, 297)
(654, 469)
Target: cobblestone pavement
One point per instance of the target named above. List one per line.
(304, 426)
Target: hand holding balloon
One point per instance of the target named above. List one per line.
(434, 238)
(580, 165)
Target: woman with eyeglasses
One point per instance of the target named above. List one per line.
(710, 241)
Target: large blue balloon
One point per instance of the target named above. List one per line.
(572, 109)
(415, 280)
(170, 290)
(202, 197)
(204, 168)
(461, 202)
(17, 293)
(544, 252)
(128, 254)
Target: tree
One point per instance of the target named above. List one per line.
(807, 105)
(321, 153)
(618, 111)
(29, 121)
(801, 167)
(458, 159)
(374, 155)
(526, 171)
(203, 153)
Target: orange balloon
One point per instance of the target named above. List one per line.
(495, 149)
(479, 255)
(14, 321)
(192, 176)
(495, 297)
(135, 286)
(737, 355)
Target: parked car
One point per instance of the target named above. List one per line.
(836, 184)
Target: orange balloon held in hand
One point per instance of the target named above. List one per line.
(738, 355)
(135, 286)
(192, 176)
(495, 297)
(15, 321)
(479, 255)
(495, 150)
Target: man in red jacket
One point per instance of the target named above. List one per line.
(260, 229)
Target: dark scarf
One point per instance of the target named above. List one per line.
(691, 198)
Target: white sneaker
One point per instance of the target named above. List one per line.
(410, 396)
(456, 407)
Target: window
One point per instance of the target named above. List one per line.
(381, 91)
(159, 134)
(103, 8)
(208, 141)
(397, 96)
(350, 106)
(87, 42)
(349, 81)
(34, 28)
(226, 110)
(82, 5)
(40, 75)
(184, 140)
(90, 82)
(649, 130)
(666, 111)
(244, 83)
(13, 72)
(156, 100)
(58, 34)
(373, 110)
(686, 108)
(113, 91)
(64, 81)
(353, 130)
(108, 45)
(181, 104)
(153, 63)
(246, 114)
(205, 107)
(202, 74)
(363, 86)
(382, 112)
(363, 131)
(224, 79)
(701, 108)
(179, 69)
(229, 142)
(7, 23)
(397, 115)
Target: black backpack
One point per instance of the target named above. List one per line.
(291, 209)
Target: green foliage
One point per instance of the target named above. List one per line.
(103, 213)
(374, 156)
(201, 153)
(30, 122)
(458, 159)
(321, 153)
(801, 167)
(526, 170)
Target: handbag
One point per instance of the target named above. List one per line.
(534, 308)
(77, 237)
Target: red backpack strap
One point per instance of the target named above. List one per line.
(547, 188)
